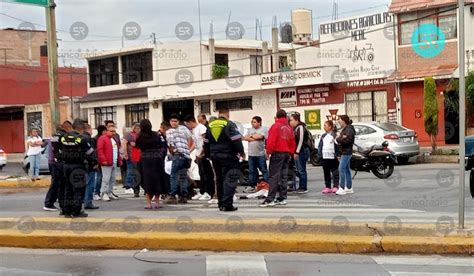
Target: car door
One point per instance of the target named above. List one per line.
(360, 139)
(373, 136)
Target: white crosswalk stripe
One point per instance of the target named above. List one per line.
(236, 265)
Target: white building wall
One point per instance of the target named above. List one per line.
(469, 37)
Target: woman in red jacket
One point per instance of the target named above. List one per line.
(109, 159)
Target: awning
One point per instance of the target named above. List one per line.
(401, 6)
(442, 71)
(114, 95)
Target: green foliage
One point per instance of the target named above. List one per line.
(219, 71)
(452, 97)
(430, 110)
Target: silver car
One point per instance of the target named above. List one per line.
(402, 141)
(44, 167)
(3, 158)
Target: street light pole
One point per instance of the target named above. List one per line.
(462, 113)
(52, 64)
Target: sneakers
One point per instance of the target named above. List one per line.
(197, 196)
(228, 209)
(183, 199)
(51, 208)
(334, 190)
(105, 197)
(340, 191)
(129, 191)
(235, 198)
(349, 191)
(327, 191)
(172, 200)
(96, 197)
(281, 202)
(301, 191)
(249, 189)
(113, 196)
(78, 215)
(205, 197)
(213, 201)
(267, 204)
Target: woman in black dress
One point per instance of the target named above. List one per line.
(151, 146)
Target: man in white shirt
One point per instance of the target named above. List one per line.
(256, 151)
(206, 187)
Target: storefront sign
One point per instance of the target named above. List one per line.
(392, 116)
(313, 118)
(365, 83)
(290, 77)
(318, 94)
(287, 97)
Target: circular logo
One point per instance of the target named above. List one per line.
(394, 180)
(428, 40)
(26, 225)
(79, 225)
(389, 30)
(27, 30)
(131, 30)
(445, 178)
(131, 224)
(79, 30)
(235, 30)
(131, 79)
(184, 224)
(184, 78)
(392, 224)
(287, 78)
(184, 30)
(78, 178)
(340, 224)
(234, 224)
(445, 225)
(449, 130)
(235, 78)
(232, 178)
(286, 224)
(339, 75)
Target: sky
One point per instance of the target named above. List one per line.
(105, 19)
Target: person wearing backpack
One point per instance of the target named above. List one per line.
(329, 152)
(304, 145)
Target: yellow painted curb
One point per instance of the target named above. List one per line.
(14, 183)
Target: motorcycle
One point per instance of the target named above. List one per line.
(377, 159)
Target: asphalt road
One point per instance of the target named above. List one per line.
(417, 193)
(35, 262)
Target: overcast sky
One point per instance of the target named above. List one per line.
(106, 18)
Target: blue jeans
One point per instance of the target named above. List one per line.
(34, 165)
(179, 175)
(301, 168)
(257, 163)
(98, 182)
(345, 177)
(89, 189)
(131, 175)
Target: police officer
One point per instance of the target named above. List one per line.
(223, 143)
(74, 151)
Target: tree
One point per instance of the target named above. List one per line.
(430, 110)
(452, 98)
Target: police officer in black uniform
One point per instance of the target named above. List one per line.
(75, 153)
(223, 143)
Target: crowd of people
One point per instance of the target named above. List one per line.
(84, 168)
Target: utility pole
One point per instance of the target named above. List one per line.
(71, 70)
(52, 64)
(462, 113)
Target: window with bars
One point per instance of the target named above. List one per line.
(367, 106)
(134, 113)
(205, 107)
(234, 104)
(137, 67)
(103, 72)
(104, 113)
(256, 64)
(445, 19)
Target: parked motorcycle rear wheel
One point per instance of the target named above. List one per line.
(385, 170)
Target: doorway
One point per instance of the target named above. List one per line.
(182, 108)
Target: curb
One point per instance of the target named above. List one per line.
(452, 159)
(265, 235)
(17, 182)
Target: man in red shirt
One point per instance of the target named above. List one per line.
(109, 159)
(280, 146)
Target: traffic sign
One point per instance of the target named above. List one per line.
(42, 3)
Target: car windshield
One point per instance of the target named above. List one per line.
(389, 127)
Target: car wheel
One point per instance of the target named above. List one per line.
(315, 160)
(244, 173)
(26, 168)
(402, 160)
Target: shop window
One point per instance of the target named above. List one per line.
(134, 113)
(137, 67)
(367, 106)
(103, 72)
